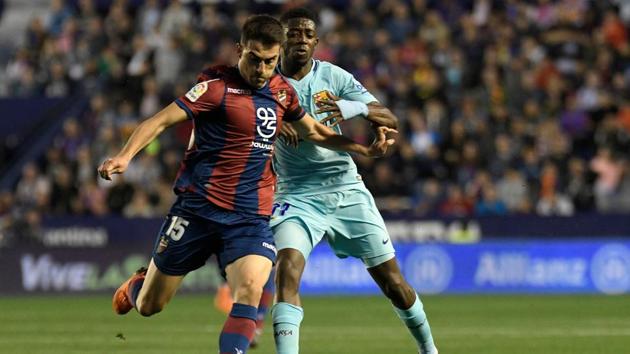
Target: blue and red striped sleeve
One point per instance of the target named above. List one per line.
(205, 96)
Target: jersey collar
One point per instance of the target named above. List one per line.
(313, 70)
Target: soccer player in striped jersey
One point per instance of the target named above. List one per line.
(225, 184)
(320, 193)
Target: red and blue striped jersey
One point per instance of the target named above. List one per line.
(234, 127)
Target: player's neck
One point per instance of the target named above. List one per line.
(295, 70)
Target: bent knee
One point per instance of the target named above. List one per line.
(248, 291)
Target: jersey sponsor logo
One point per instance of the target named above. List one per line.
(256, 144)
(238, 91)
(282, 95)
(267, 128)
(198, 90)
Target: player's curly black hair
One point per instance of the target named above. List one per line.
(263, 28)
(299, 12)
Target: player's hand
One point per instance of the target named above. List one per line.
(289, 134)
(381, 143)
(330, 106)
(112, 166)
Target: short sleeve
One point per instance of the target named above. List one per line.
(205, 96)
(294, 111)
(350, 88)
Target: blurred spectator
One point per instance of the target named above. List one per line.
(513, 190)
(609, 172)
(456, 203)
(33, 189)
(555, 204)
(58, 14)
(140, 206)
(490, 204)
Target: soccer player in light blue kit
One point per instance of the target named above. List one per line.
(320, 194)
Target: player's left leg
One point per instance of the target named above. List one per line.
(175, 254)
(406, 302)
(357, 229)
(223, 301)
(246, 276)
(263, 308)
(245, 258)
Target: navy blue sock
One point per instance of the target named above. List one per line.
(134, 290)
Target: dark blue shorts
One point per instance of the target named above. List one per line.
(196, 229)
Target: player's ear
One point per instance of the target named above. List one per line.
(239, 49)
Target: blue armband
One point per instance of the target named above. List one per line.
(351, 109)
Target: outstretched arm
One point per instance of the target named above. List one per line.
(341, 110)
(322, 135)
(141, 137)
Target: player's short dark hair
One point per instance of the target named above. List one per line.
(299, 12)
(264, 29)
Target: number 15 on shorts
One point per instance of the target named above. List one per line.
(177, 227)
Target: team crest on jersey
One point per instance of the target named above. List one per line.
(320, 97)
(282, 95)
(196, 92)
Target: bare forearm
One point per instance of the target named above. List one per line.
(338, 142)
(328, 138)
(381, 116)
(144, 133)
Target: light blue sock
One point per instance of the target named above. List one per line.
(416, 320)
(286, 327)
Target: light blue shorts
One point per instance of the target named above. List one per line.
(348, 219)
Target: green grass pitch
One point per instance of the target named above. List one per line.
(332, 325)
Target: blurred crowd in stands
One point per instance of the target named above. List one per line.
(505, 107)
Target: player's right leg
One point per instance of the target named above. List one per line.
(181, 247)
(148, 291)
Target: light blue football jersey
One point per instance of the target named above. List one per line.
(310, 169)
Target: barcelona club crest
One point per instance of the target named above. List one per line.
(282, 95)
(320, 97)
